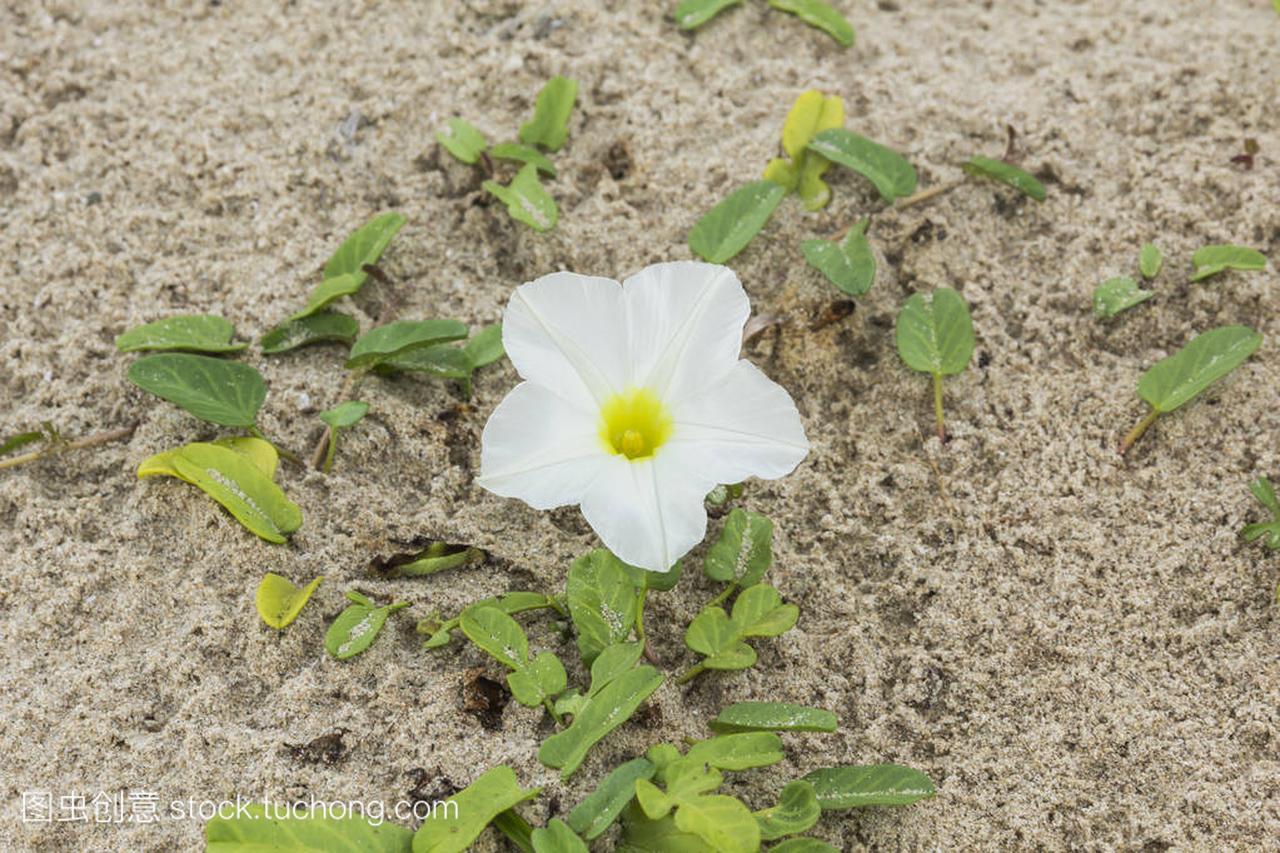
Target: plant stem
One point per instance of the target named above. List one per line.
(724, 594)
(551, 709)
(644, 642)
(691, 673)
(78, 444)
(937, 407)
(931, 193)
(1138, 430)
(321, 449)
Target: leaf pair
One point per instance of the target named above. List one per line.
(345, 273)
(237, 473)
(849, 264)
(935, 337)
(447, 361)
(440, 633)
(340, 417)
(721, 637)
(357, 626)
(1122, 293)
(618, 687)
(802, 173)
(399, 339)
(816, 13)
(1266, 496)
(1175, 381)
(533, 681)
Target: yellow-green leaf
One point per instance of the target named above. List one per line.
(811, 114)
(453, 828)
(279, 601)
(549, 126)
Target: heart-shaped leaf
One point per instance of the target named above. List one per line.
(260, 831)
(1212, 260)
(797, 810)
(998, 170)
(1176, 380)
(609, 708)
(279, 602)
(744, 551)
(461, 139)
(888, 170)
(935, 336)
(1118, 294)
(526, 199)
(726, 229)
(523, 154)
(869, 785)
(773, 716)
(220, 392)
(695, 13)
(324, 327)
(759, 612)
(403, 336)
(234, 480)
(597, 812)
(818, 14)
(602, 600)
(194, 333)
(454, 828)
(549, 127)
(850, 265)
(358, 626)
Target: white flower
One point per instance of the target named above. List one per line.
(635, 405)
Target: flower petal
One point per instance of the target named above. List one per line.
(684, 324)
(744, 426)
(540, 449)
(648, 512)
(567, 332)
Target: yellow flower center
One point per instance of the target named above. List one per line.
(634, 423)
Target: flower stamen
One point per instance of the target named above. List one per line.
(634, 424)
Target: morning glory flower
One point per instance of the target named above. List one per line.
(635, 405)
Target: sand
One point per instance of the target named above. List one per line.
(1078, 648)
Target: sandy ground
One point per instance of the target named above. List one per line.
(1076, 647)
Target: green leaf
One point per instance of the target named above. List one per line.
(523, 154)
(597, 812)
(657, 581)
(727, 228)
(642, 835)
(438, 557)
(1175, 380)
(526, 200)
(694, 13)
(803, 845)
(1212, 260)
(19, 441)
(849, 265)
(220, 392)
(744, 551)
(811, 113)
(549, 127)
(818, 14)
(395, 339)
(740, 751)
(263, 832)
(1266, 495)
(891, 174)
(462, 140)
(534, 682)
(998, 170)
(496, 633)
(234, 480)
(279, 602)
(516, 829)
(557, 837)
(324, 327)
(344, 273)
(1118, 294)
(357, 627)
(759, 612)
(773, 716)
(1150, 260)
(452, 830)
(443, 361)
(511, 603)
(608, 709)
(345, 415)
(797, 810)
(485, 346)
(722, 821)
(869, 785)
(936, 336)
(194, 332)
(602, 602)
